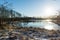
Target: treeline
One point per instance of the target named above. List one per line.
(8, 13)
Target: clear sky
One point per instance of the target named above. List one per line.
(35, 8)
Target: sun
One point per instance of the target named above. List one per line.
(49, 10)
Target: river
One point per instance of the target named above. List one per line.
(47, 24)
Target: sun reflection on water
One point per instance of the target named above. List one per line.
(48, 20)
(49, 27)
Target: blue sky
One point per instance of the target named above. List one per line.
(34, 8)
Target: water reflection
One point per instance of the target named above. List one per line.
(48, 20)
(47, 24)
(49, 27)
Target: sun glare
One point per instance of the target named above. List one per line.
(48, 20)
(49, 27)
(49, 10)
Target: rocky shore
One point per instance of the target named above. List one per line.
(30, 33)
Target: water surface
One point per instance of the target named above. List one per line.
(47, 24)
